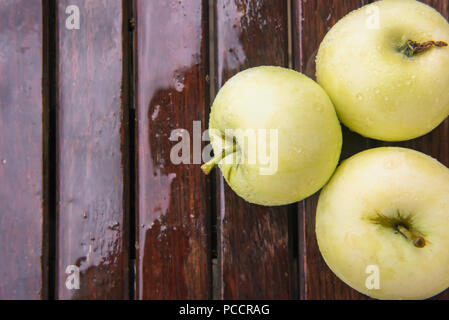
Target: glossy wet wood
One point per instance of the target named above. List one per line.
(92, 163)
(254, 260)
(173, 228)
(261, 252)
(22, 272)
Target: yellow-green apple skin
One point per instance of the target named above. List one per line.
(385, 181)
(377, 90)
(309, 134)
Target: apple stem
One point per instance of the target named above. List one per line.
(208, 166)
(412, 48)
(412, 235)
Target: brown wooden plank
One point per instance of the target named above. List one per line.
(254, 261)
(22, 272)
(311, 21)
(173, 260)
(92, 122)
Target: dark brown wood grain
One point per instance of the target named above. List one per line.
(254, 261)
(311, 21)
(173, 248)
(260, 252)
(23, 261)
(92, 183)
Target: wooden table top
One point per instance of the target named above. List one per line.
(87, 120)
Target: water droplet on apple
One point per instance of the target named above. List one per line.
(389, 164)
(4, 161)
(359, 96)
(386, 98)
(408, 82)
(414, 77)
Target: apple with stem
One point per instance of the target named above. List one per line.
(386, 69)
(275, 135)
(387, 208)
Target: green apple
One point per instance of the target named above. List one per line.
(387, 209)
(386, 69)
(298, 140)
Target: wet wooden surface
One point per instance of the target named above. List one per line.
(98, 178)
(22, 275)
(92, 165)
(173, 213)
(254, 260)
